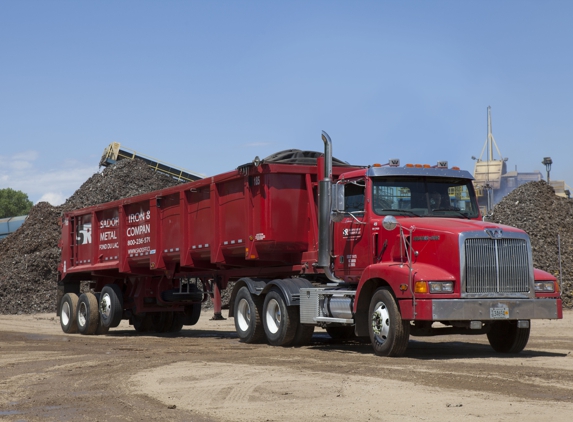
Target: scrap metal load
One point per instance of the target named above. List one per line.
(115, 152)
(382, 252)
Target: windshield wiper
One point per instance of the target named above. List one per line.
(398, 210)
(456, 211)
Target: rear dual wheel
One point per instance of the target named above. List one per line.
(247, 315)
(68, 313)
(87, 314)
(280, 321)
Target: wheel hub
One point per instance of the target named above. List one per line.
(66, 313)
(244, 315)
(105, 306)
(381, 322)
(273, 316)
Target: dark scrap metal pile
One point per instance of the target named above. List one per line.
(548, 219)
(29, 257)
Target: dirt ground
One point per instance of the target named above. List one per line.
(206, 374)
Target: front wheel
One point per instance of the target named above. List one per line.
(389, 334)
(279, 321)
(506, 337)
(247, 316)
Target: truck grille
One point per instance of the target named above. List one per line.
(497, 265)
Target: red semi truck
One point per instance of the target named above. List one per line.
(380, 252)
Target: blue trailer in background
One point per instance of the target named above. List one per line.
(11, 224)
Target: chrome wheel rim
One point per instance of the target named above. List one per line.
(82, 314)
(273, 316)
(244, 315)
(381, 322)
(66, 314)
(105, 306)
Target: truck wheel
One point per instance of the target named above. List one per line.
(389, 334)
(248, 317)
(341, 333)
(505, 337)
(110, 306)
(88, 314)
(279, 321)
(68, 313)
(303, 335)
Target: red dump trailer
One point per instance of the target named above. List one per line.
(383, 251)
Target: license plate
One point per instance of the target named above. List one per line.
(499, 312)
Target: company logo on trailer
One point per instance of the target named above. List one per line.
(84, 236)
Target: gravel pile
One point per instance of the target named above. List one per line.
(29, 257)
(535, 208)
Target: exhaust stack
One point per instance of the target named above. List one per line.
(324, 204)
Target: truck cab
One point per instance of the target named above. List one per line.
(409, 249)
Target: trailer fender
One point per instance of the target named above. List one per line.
(255, 286)
(290, 288)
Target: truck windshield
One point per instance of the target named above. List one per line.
(424, 196)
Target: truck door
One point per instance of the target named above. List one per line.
(351, 236)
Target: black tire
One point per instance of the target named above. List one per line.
(158, 321)
(247, 315)
(506, 337)
(389, 334)
(191, 314)
(88, 314)
(110, 306)
(341, 332)
(303, 335)
(68, 313)
(140, 322)
(279, 321)
(176, 323)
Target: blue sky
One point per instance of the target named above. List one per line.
(209, 85)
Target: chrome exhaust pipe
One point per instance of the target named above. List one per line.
(324, 205)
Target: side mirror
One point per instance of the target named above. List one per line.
(337, 205)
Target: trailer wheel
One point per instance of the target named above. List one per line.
(110, 306)
(68, 313)
(389, 334)
(156, 321)
(140, 323)
(88, 314)
(279, 321)
(176, 323)
(506, 337)
(247, 316)
(341, 333)
(191, 314)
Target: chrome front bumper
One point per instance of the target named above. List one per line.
(489, 309)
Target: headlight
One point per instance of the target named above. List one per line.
(545, 286)
(441, 286)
